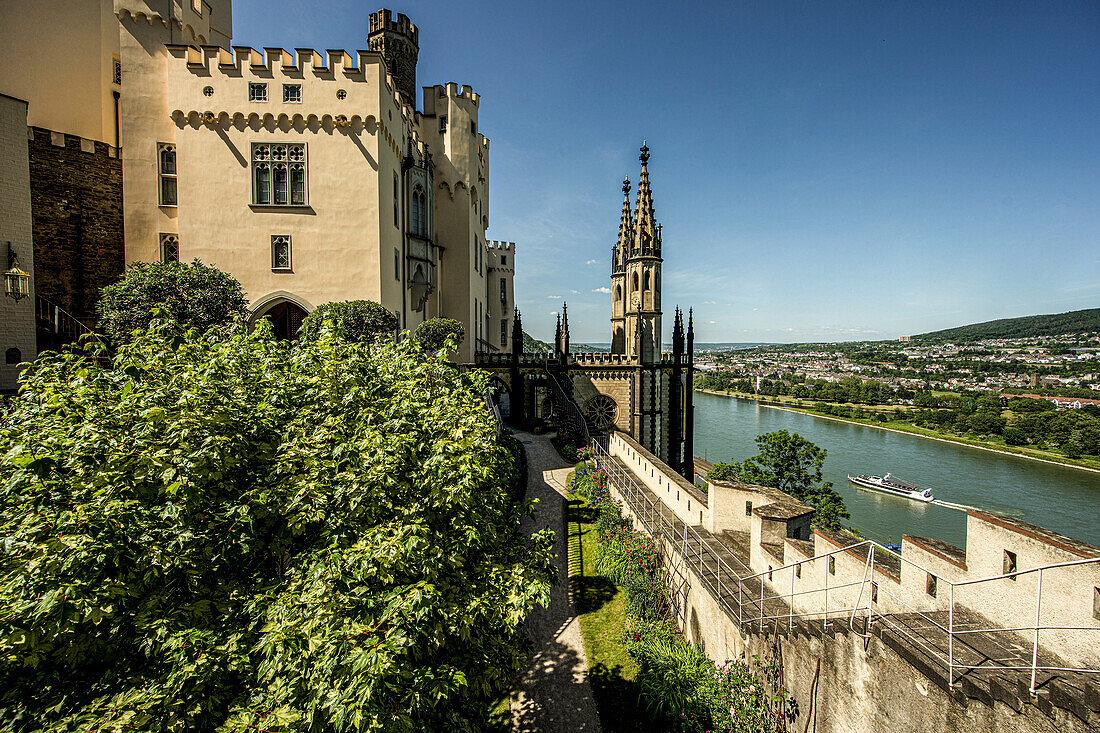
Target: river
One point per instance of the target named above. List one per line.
(1063, 499)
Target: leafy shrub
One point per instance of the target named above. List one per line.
(434, 333)
(585, 480)
(1014, 436)
(354, 320)
(193, 294)
(225, 531)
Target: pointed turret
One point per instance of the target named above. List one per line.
(565, 329)
(557, 334)
(517, 333)
(645, 221)
(626, 219)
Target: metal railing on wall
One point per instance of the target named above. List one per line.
(745, 596)
(567, 414)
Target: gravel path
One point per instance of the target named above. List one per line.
(553, 694)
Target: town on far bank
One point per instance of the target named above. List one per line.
(1035, 395)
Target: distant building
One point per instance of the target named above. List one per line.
(905, 339)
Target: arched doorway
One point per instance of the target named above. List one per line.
(286, 319)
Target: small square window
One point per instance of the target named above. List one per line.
(503, 261)
(280, 252)
(169, 247)
(748, 508)
(930, 585)
(292, 93)
(874, 592)
(832, 565)
(473, 127)
(1010, 564)
(257, 91)
(443, 123)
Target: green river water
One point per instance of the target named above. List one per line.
(1066, 500)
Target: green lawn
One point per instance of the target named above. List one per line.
(600, 607)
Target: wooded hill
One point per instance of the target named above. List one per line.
(1053, 324)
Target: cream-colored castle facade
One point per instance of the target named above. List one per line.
(309, 176)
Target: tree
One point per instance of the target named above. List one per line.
(433, 333)
(229, 532)
(791, 464)
(354, 320)
(193, 294)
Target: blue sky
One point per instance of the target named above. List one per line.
(823, 170)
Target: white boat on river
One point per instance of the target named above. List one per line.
(891, 485)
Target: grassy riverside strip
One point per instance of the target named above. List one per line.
(899, 426)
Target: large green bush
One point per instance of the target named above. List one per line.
(192, 294)
(353, 320)
(226, 532)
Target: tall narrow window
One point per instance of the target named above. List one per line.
(280, 252)
(646, 281)
(169, 247)
(504, 332)
(396, 264)
(116, 72)
(166, 166)
(443, 123)
(396, 201)
(635, 283)
(279, 174)
(503, 290)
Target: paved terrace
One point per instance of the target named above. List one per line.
(721, 560)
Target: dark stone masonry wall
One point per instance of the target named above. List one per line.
(76, 214)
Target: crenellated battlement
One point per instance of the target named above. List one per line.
(242, 60)
(501, 247)
(383, 20)
(455, 91)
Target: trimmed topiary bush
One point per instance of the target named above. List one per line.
(361, 321)
(191, 294)
(434, 333)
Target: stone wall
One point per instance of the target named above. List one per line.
(76, 207)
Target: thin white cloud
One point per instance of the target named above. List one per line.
(592, 262)
(712, 323)
(709, 302)
(756, 309)
(554, 297)
(576, 292)
(605, 290)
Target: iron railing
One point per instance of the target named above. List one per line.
(744, 594)
(567, 414)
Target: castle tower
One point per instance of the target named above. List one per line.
(619, 293)
(397, 40)
(642, 275)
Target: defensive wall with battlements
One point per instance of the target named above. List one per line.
(1003, 635)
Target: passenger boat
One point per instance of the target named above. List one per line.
(890, 485)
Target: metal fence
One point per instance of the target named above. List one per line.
(748, 597)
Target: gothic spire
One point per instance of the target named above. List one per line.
(645, 224)
(564, 327)
(626, 220)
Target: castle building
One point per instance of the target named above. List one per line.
(309, 177)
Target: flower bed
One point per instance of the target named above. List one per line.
(676, 679)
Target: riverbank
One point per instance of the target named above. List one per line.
(1029, 454)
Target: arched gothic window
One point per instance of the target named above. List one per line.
(618, 293)
(419, 213)
(635, 283)
(646, 280)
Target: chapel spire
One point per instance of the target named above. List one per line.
(645, 221)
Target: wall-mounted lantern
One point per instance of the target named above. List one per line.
(17, 284)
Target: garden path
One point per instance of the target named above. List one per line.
(553, 694)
